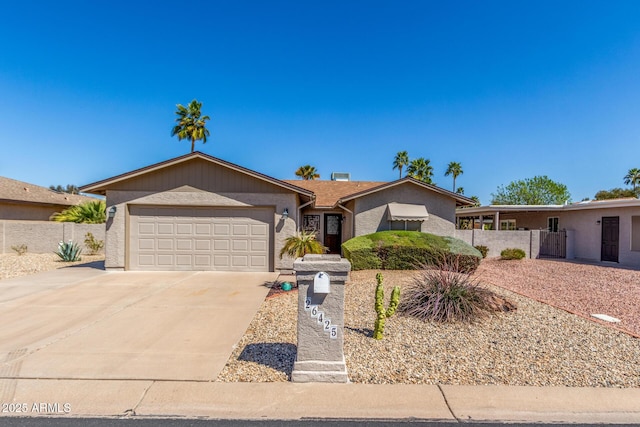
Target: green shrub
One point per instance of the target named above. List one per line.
(444, 295)
(69, 252)
(483, 250)
(512, 253)
(93, 244)
(94, 212)
(20, 249)
(408, 250)
(300, 244)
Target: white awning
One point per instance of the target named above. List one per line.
(405, 212)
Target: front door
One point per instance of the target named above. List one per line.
(333, 232)
(610, 238)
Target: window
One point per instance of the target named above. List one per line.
(507, 224)
(405, 225)
(552, 223)
(635, 233)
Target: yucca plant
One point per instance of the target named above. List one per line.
(300, 244)
(85, 213)
(69, 251)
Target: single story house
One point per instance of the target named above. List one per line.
(604, 230)
(23, 201)
(198, 212)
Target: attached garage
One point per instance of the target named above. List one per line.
(170, 238)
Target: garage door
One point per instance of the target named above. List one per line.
(177, 238)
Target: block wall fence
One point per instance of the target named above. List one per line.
(44, 236)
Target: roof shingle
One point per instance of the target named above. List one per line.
(12, 190)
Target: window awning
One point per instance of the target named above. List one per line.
(406, 212)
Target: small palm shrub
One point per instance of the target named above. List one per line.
(512, 253)
(20, 249)
(85, 213)
(483, 250)
(94, 245)
(444, 295)
(69, 251)
(300, 244)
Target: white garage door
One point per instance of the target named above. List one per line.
(177, 238)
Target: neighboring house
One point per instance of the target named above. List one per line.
(606, 230)
(197, 212)
(22, 201)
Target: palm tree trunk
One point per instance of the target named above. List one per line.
(193, 144)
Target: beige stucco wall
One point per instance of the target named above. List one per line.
(44, 236)
(117, 227)
(498, 240)
(371, 210)
(28, 212)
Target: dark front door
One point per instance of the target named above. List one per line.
(610, 238)
(333, 232)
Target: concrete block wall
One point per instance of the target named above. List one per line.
(44, 236)
(498, 240)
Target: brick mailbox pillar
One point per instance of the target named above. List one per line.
(320, 357)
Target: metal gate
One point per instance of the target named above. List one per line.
(553, 244)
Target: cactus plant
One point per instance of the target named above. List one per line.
(69, 251)
(382, 313)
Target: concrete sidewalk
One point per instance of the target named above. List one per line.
(280, 401)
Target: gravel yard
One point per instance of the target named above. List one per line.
(12, 265)
(535, 345)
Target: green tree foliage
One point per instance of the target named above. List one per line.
(307, 173)
(70, 189)
(85, 213)
(420, 169)
(401, 160)
(454, 169)
(617, 193)
(191, 124)
(633, 178)
(539, 190)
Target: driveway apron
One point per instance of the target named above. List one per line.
(91, 324)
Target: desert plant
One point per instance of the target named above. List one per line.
(512, 253)
(94, 245)
(300, 244)
(383, 314)
(483, 250)
(69, 251)
(86, 213)
(444, 295)
(20, 249)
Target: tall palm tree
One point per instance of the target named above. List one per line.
(633, 177)
(420, 169)
(307, 172)
(401, 160)
(454, 169)
(191, 124)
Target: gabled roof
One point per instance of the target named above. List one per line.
(100, 187)
(328, 193)
(15, 191)
(460, 200)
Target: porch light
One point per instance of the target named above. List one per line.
(285, 213)
(112, 211)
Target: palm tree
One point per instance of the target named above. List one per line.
(460, 190)
(454, 169)
(307, 172)
(85, 213)
(633, 177)
(401, 160)
(191, 123)
(420, 169)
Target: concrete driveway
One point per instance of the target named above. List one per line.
(85, 323)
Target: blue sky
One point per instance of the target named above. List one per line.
(510, 89)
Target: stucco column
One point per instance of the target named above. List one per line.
(320, 356)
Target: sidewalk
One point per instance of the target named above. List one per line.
(140, 398)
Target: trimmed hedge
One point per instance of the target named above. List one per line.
(512, 253)
(409, 250)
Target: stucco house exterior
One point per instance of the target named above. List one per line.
(600, 231)
(198, 212)
(21, 201)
